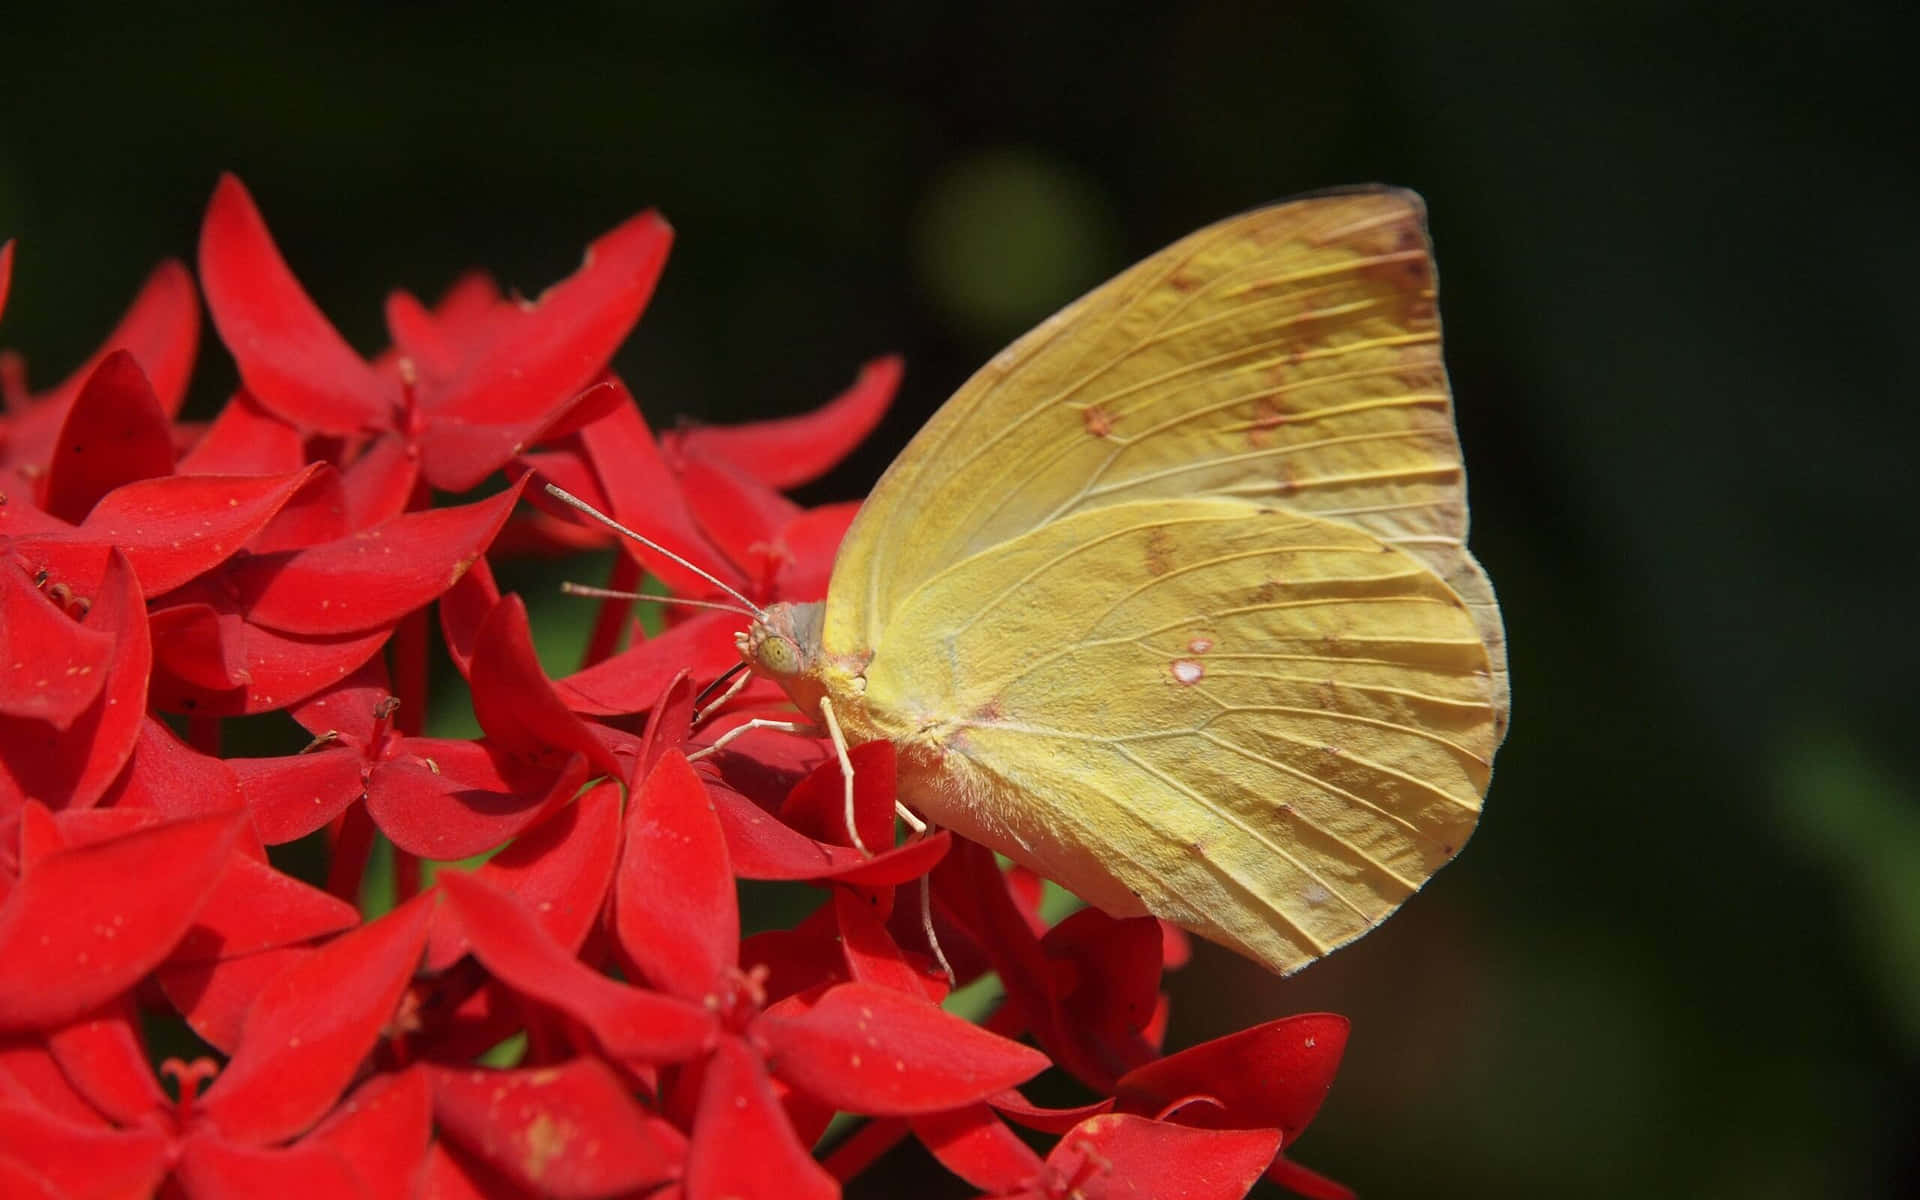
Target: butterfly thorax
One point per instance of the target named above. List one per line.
(785, 646)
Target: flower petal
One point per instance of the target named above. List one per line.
(293, 795)
(1116, 1155)
(103, 1056)
(19, 1179)
(1111, 985)
(872, 956)
(447, 799)
(382, 1131)
(212, 1167)
(760, 847)
(307, 1031)
(972, 888)
(741, 516)
(669, 722)
(1272, 1076)
(30, 1076)
(629, 1023)
(702, 646)
(244, 439)
(214, 997)
(456, 455)
(280, 669)
(817, 806)
(643, 495)
(254, 908)
(675, 912)
(201, 646)
(52, 665)
(76, 767)
(790, 451)
(417, 338)
(1024, 1113)
(463, 611)
(173, 779)
(381, 482)
(557, 346)
(115, 433)
(810, 542)
(450, 1173)
(562, 1131)
(290, 357)
(316, 513)
(349, 709)
(868, 1049)
(86, 923)
(80, 1160)
(516, 703)
(170, 529)
(794, 961)
(978, 1147)
(369, 578)
(743, 1144)
(560, 868)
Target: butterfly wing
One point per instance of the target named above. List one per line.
(1267, 727)
(1289, 355)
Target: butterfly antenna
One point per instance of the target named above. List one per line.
(599, 593)
(568, 498)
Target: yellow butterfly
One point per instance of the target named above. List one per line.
(1171, 602)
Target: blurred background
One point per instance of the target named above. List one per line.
(1678, 246)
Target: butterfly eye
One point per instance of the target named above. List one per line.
(779, 656)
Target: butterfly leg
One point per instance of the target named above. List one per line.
(846, 770)
(926, 926)
(799, 727)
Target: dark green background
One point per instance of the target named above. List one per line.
(1679, 248)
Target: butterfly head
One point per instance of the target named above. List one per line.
(784, 645)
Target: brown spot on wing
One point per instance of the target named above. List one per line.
(1095, 418)
(1159, 552)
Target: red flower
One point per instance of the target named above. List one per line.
(309, 601)
(1110, 1155)
(112, 1130)
(854, 1046)
(160, 332)
(470, 385)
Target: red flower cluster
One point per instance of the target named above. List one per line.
(579, 1014)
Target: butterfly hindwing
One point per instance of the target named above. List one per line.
(1268, 727)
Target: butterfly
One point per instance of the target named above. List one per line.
(1171, 601)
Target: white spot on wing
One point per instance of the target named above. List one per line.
(1188, 671)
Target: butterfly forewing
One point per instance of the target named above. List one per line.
(1289, 355)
